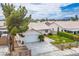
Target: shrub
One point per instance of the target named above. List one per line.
(50, 34)
(41, 37)
(21, 35)
(76, 37)
(44, 34)
(65, 34)
(68, 35)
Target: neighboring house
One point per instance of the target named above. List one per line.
(67, 26)
(3, 29)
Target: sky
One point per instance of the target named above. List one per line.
(49, 10)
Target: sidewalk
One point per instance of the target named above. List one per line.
(3, 46)
(4, 50)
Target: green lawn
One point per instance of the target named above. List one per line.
(60, 39)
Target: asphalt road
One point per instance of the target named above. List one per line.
(74, 54)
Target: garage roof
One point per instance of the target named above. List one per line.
(39, 26)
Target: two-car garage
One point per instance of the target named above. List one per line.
(30, 36)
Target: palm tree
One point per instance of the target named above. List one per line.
(76, 17)
(16, 21)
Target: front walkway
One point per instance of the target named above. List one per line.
(47, 49)
(4, 50)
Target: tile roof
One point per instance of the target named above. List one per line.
(71, 25)
(38, 26)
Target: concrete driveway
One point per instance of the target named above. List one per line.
(47, 49)
(38, 48)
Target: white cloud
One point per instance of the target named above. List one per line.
(44, 10)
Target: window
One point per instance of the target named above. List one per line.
(65, 30)
(5, 32)
(78, 32)
(0, 33)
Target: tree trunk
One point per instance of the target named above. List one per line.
(11, 44)
(12, 37)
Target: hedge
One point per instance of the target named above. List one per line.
(69, 35)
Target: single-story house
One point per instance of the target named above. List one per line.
(35, 29)
(38, 28)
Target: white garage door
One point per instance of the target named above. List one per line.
(31, 36)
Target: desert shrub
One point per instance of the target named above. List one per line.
(44, 34)
(76, 37)
(41, 37)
